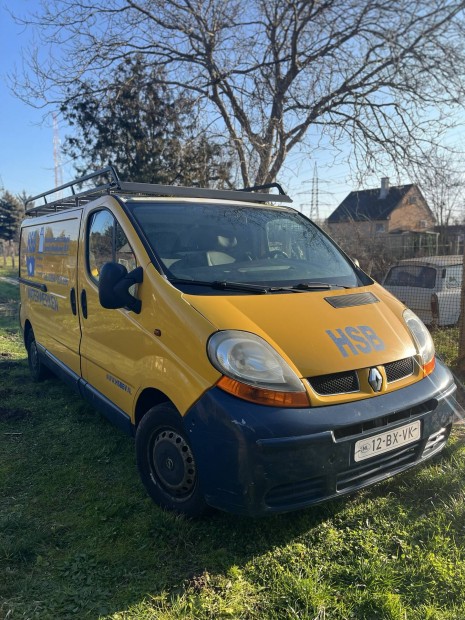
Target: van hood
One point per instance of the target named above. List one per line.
(318, 332)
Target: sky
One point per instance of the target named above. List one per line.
(27, 134)
(27, 139)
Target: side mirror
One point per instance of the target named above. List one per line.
(114, 284)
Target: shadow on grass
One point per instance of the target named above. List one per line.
(79, 534)
(80, 538)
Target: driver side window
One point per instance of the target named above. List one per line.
(106, 242)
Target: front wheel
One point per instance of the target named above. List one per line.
(166, 463)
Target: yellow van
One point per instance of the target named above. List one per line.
(258, 367)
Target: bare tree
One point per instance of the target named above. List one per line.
(272, 74)
(372, 251)
(442, 181)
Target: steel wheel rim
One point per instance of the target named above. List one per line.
(34, 356)
(172, 464)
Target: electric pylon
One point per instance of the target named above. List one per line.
(314, 209)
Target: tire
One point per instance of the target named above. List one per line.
(166, 463)
(39, 372)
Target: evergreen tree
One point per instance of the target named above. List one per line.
(138, 126)
(11, 214)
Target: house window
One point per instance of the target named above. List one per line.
(423, 224)
(380, 228)
(412, 200)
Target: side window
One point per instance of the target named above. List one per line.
(106, 242)
(100, 242)
(454, 277)
(123, 251)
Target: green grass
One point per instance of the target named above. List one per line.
(446, 341)
(8, 269)
(80, 539)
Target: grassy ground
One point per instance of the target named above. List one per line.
(8, 268)
(80, 539)
(446, 341)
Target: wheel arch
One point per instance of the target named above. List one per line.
(26, 330)
(148, 398)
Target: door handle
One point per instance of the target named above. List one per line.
(84, 303)
(72, 301)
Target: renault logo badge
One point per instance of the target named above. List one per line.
(375, 380)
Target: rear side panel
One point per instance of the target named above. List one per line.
(48, 272)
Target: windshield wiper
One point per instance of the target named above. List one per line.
(318, 286)
(239, 286)
(224, 285)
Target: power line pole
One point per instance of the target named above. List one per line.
(314, 209)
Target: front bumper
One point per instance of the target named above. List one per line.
(253, 459)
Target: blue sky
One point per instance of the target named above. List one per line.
(26, 152)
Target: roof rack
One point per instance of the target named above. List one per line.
(106, 181)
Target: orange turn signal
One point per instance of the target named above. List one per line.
(261, 396)
(429, 367)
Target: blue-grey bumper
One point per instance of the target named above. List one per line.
(253, 459)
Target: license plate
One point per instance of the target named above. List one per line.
(385, 442)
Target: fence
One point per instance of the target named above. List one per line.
(433, 288)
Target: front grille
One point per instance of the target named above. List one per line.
(399, 369)
(337, 383)
(355, 430)
(294, 493)
(385, 464)
(348, 382)
(436, 441)
(358, 474)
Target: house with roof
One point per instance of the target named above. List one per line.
(385, 209)
(396, 218)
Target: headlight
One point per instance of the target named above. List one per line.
(422, 339)
(255, 371)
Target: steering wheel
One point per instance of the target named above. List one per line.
(277, 254)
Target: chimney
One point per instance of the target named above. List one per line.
(384, 188)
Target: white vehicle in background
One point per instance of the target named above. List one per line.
(430, 286)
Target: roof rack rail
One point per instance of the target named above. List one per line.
(74, 197)
(111, 184)
(255, 188)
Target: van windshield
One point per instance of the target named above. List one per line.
(211, 244)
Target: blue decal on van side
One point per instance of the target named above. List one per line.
(118, 383)
(31, 265)
(44, 299)
(31, 242)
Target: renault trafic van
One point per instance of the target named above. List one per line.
(258, 367)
